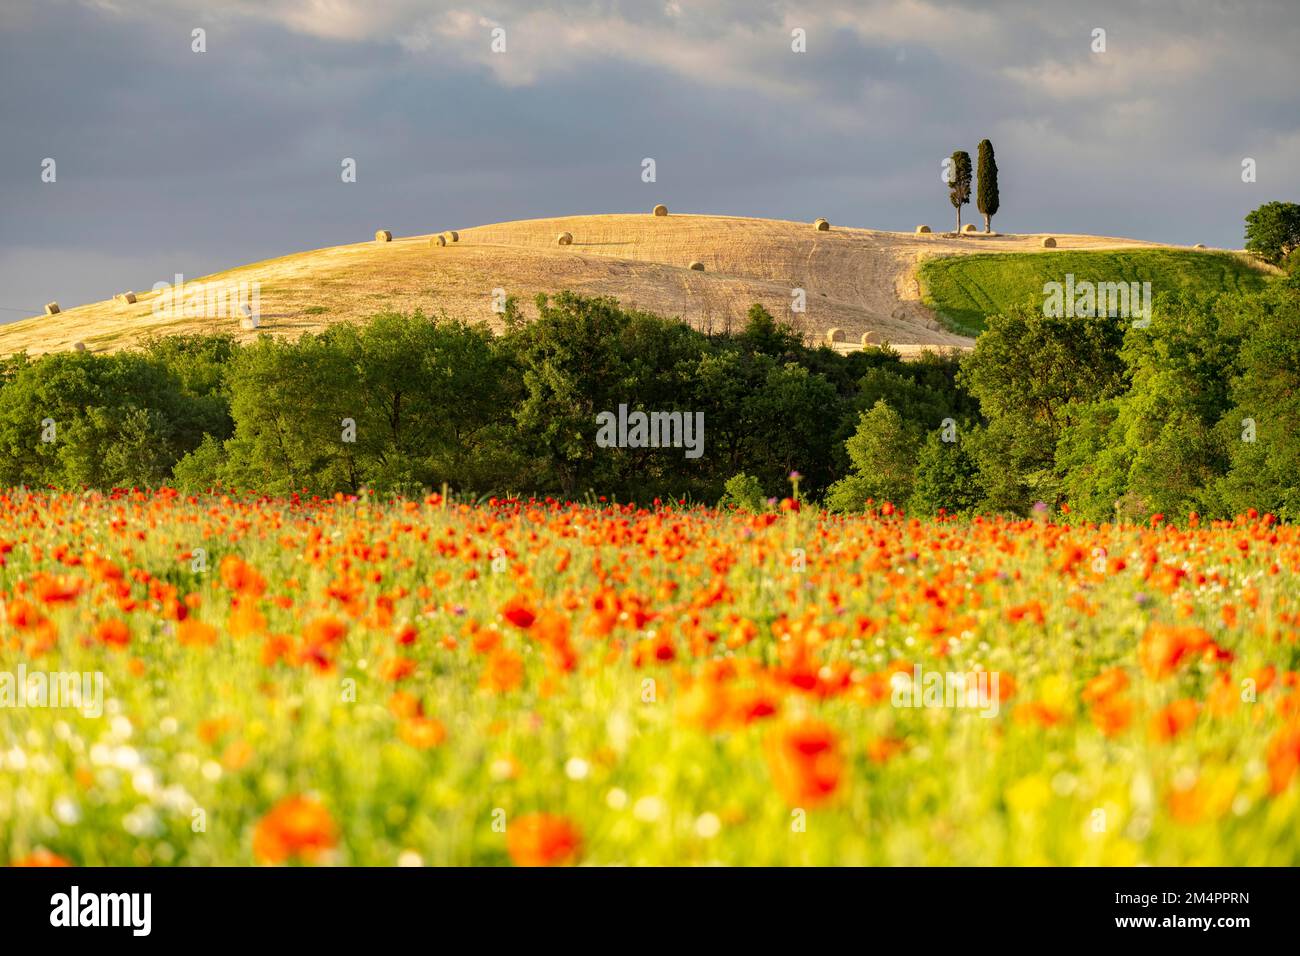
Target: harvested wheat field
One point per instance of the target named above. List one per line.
(857, 280)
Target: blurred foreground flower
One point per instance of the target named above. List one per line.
(42, 857)
(805, 762)
(296, 827)
(543, 839)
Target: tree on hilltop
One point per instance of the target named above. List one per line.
(1273, 231)
(987, 199)
(959, 183)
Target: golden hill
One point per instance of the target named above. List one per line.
(856, 280)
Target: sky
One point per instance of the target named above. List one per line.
(168, 160)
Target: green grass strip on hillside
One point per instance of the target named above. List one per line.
(965, 290)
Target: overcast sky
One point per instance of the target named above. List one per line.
(173, 161)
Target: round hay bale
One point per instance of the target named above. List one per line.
(821, 225)
(438, 241)
(452, 235)
(697, 265)
(383, 235)
(565, 239)
(78, 346)
(126, 298)
(866, 339)
(1049, 242)
(1199, 245)
(969, 227)
(51, 308)
(661, 210)
(922, 229)
(833, 336)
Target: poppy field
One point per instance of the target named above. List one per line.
(389, 682)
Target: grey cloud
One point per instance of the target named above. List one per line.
(171, 161)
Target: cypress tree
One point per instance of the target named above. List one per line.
(987, 200)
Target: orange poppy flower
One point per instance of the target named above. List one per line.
(396, 669)
(41, 857)
(324, 631)
(1031, 611)
(213, 728)
(113, 633)
(1163, 647)
(504, 671)
(1112, 715)
(542, 839)
(295, 828)
(1038, 712)
(1283, 756)
(241, 577)
(23, 615)
(518, 612)
(246, 619)
(57, 590)
(1104, 685)
(882, 749)
(805, 762)
(422, 732)
(237, 755)
(192, 633)
(278, 647)
(1174, 719)
(403, 704)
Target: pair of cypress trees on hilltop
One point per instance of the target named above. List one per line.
(959, 183)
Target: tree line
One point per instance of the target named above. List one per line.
(406, 403)
(1194, 412)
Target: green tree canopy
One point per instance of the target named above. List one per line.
(959, 176)
(883, 452)
(987, 200)
(1273, 231)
